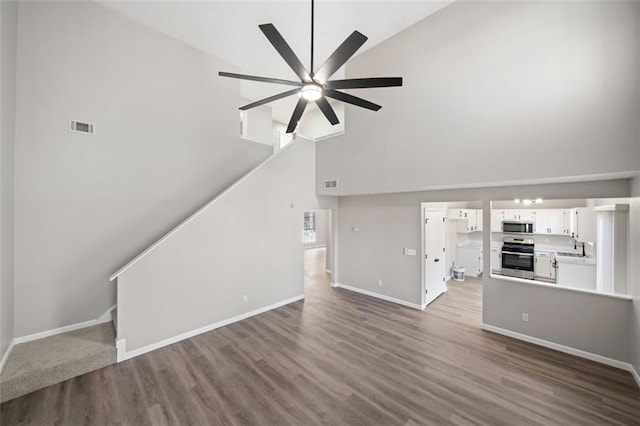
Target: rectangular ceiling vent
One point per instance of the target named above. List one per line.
(330, 184)
(81, 127)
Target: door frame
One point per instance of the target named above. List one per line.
(331, 245)
(423, 287)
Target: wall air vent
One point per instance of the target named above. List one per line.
(330, 184)
(81, 127)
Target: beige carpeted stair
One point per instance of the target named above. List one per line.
(44, 362)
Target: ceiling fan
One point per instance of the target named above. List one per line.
(316, 86)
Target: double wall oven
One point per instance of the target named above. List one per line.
(518, 254)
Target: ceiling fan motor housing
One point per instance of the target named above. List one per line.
(311, 91)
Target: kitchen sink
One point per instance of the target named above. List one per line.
(562, 253)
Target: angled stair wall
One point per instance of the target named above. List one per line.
(239, 255)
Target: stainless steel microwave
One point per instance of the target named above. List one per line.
(513, 227)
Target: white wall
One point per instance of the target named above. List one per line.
(387, 223)
(258, 123)
(247, 242)
(314, 124)
(8, 25)
(495, 92)
(167, 141)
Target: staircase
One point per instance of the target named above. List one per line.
(44, 362)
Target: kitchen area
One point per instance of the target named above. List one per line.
(579, 244)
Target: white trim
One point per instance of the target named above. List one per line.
(612, 208)
(55, 331)
(200, 210)
(315, 246)
(635, 375)
(560, 287)
(105, 317)
(322, 138)
(566, 349)
(123, 355)
(378, 296)
(6, 355)
(250, 139)
(520, 182)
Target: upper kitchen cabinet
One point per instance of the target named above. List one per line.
(519, 215)
(553, 221)
(468, 220)
(497, 216)
(515, 215)
(583, 224)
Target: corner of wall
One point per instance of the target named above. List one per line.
(8, 27)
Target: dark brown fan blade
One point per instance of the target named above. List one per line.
(270, 99)
(350, 99)
(340, 56)
(297, 114)
(327, 110)
(256, 78)
(363, 83)
(285, 51)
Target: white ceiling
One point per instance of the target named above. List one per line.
(229, 30)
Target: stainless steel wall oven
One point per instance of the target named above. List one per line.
(518, 257)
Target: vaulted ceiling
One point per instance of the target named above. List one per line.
(229, 31)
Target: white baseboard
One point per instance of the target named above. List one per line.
(379, 296)
(121, 344)
(6, 355)
(635, 375)
(566, 349)
(105, 317)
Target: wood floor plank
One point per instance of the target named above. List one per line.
(341, 358)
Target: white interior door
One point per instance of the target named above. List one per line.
(435, 265)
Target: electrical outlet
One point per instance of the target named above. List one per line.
(525, 317)
(245, 298)
(380, 283)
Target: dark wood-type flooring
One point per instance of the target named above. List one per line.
(341, 358)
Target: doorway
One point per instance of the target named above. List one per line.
(317, 243)
(434, 241)
(460, 258)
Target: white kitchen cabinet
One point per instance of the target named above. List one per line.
(511, 214)
(583, 224)
(478, 220)
(543, 266)
(458, 214)
(576, 275)
(470, 259)
(518, 215)
(553, 221)
(497, 216)
(468, 220)
(496, 260)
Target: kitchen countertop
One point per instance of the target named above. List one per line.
(588, 261)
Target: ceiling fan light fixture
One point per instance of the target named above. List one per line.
(312, 91)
